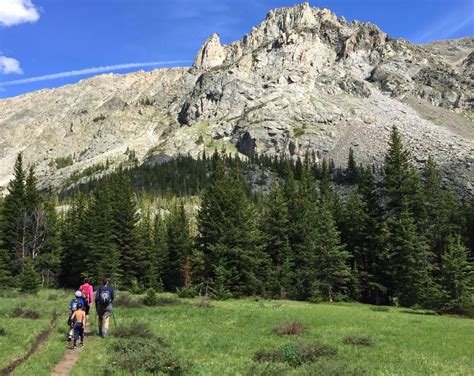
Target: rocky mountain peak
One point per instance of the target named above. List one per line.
(211, 54)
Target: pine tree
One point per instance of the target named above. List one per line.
(458, 277)
(179, 247)
(332, 269)
(5, 276)
(101, 255)
(275, 234)
(407, 258)
(74, 236)
(12, 213)
(352, 170)
(160, 245)
(29, 279)
(227, 231)
(125, 219)
(149, 276)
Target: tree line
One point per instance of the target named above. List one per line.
(398, 236)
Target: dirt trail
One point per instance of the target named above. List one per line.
(70, 357)
(40, 338)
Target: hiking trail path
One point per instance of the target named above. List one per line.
(70, 357)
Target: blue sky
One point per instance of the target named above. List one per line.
(57, 37)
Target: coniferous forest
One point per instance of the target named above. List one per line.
(269, 226)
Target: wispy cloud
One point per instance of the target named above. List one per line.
(14, 12)
(9, 65)
(83, 72)
(447, 28)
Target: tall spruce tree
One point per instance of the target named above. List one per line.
(458, 277)
(227, 232)
(179, 247)
(275, 235)
(12, 213)
(149, 276)
(160, 245)
(124, 214)
(101, 255)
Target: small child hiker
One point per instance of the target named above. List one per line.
(73, 305)
(78, 320)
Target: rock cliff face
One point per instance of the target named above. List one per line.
(303, 80)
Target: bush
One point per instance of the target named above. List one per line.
(143, 355)
(358, 341)
(295, 355)
(126, 301)
(3, 332)
(136, 329)
(25, 313)
(136, 289)
(294, 328)
(380, 309)
(150, 299)
(186, 292)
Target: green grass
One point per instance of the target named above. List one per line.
(223, 340)
(21, 332)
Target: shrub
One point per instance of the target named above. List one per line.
(25, 313)
(294, 328)
(143, 355)
(186, 292)
(135, 288)
(62, 162)
(126, 301)
(3, 332)
(136, 329)
(296, 355)
(298, 132)
(358, 341)
(150, 299)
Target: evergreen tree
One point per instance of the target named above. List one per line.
(332, 270)
(352, 170)
(29, 279)
(125, 218)
(275, 235)
(74, 237)
(101, 255)
(160, 244)
(407, 258)
(458, 277)
(5, 276)
(227, 231)
(12, 213)
(149, 275)
(179, 247)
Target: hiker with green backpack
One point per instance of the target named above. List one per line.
(104, 298)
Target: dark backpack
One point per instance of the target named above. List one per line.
(105, 298)
(74, 304)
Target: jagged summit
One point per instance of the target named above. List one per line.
(302, 80)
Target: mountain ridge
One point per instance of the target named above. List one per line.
(303, 80)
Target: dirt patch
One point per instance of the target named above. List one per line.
(25, 313)
(40, 338)
(294, 328)
(69, 359)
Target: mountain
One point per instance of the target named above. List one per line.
(303, 80)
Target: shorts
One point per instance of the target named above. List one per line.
(104, 311)
(87, 307)
(78, 331)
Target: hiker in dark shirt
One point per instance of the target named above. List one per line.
(104, 297)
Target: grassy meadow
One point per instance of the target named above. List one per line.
(245, 337)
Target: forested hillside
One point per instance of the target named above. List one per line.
(275, 227)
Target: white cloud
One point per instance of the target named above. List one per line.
(9, 65)
(14, 12)
(86, 71)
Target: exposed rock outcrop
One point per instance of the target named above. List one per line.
(303, 80)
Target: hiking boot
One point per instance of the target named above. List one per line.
(74, 348)
(69, 338)
(81, 345)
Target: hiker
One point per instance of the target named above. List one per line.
(104, 297)
(88, 295)
(78, 321)
(73, 305)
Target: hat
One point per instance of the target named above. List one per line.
(78, 294)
